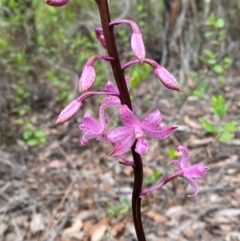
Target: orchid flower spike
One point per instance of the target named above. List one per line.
(133, 129)
(195, 171)
(57, 3)
(88, 75)
(137, 44)
(100, 37)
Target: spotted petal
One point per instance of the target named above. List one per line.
(119, 133)
(152, 120)
(160, 132)
(193, 184)
(123, 145)
(196, 171)
(141, 146)
(127, 116)
(90, 123)
(89, 135)
(185, 155)
(176, 164)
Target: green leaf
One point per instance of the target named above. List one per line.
(209, 127)
(211, 20)
(32, 142)
(219, 105)
(209, 53)
(227, 62)
(199, 94)
(171, 153)
(225, 137)
(219, 23)
(27, 134)
(124, 210)
(125, 201)
(221, 80)
(208, 34)
(230, 126)
(212, 61)
(218, 69)
(39, 133)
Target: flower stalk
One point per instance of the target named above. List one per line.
(125, 99)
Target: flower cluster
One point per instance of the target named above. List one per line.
(134, 130)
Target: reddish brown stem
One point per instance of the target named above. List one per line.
(125, 99)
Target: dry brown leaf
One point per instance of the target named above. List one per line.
(156, 217)
(97, 232)
(3, 228)
(75, 227)
(191, 123)
(200, 142)
(117, 228)
(128, 171)
(37, 223)
(87, 225)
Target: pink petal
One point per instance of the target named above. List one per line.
(193, 184)
(123, 145)
(141, 146)
(69, 112)
(57, 3)
(166, 78)
(161, 132)
(128, 80)
(89, 135)
(138, 47)
(185, 156)
(120, 133)
(176, 164)
(152, 120)
(87, 78)
(110, 87)
(196, 171)
(111, 101)
(90, 123)
(100, 37)
(127, 116)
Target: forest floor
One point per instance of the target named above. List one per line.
(63, 191)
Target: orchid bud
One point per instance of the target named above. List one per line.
(100, 37)
(138, 46)
(68, 112)
(57, 3)
(87, 78)
(88, 75)
(163, 75)
(166, 78)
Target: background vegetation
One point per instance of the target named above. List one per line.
(43, 49)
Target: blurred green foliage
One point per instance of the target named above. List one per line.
(153, 178)
(123, 209)
(224, 132)
(39, 43)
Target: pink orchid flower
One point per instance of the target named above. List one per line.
(93, 128)
(133, 129)
(195, 171)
